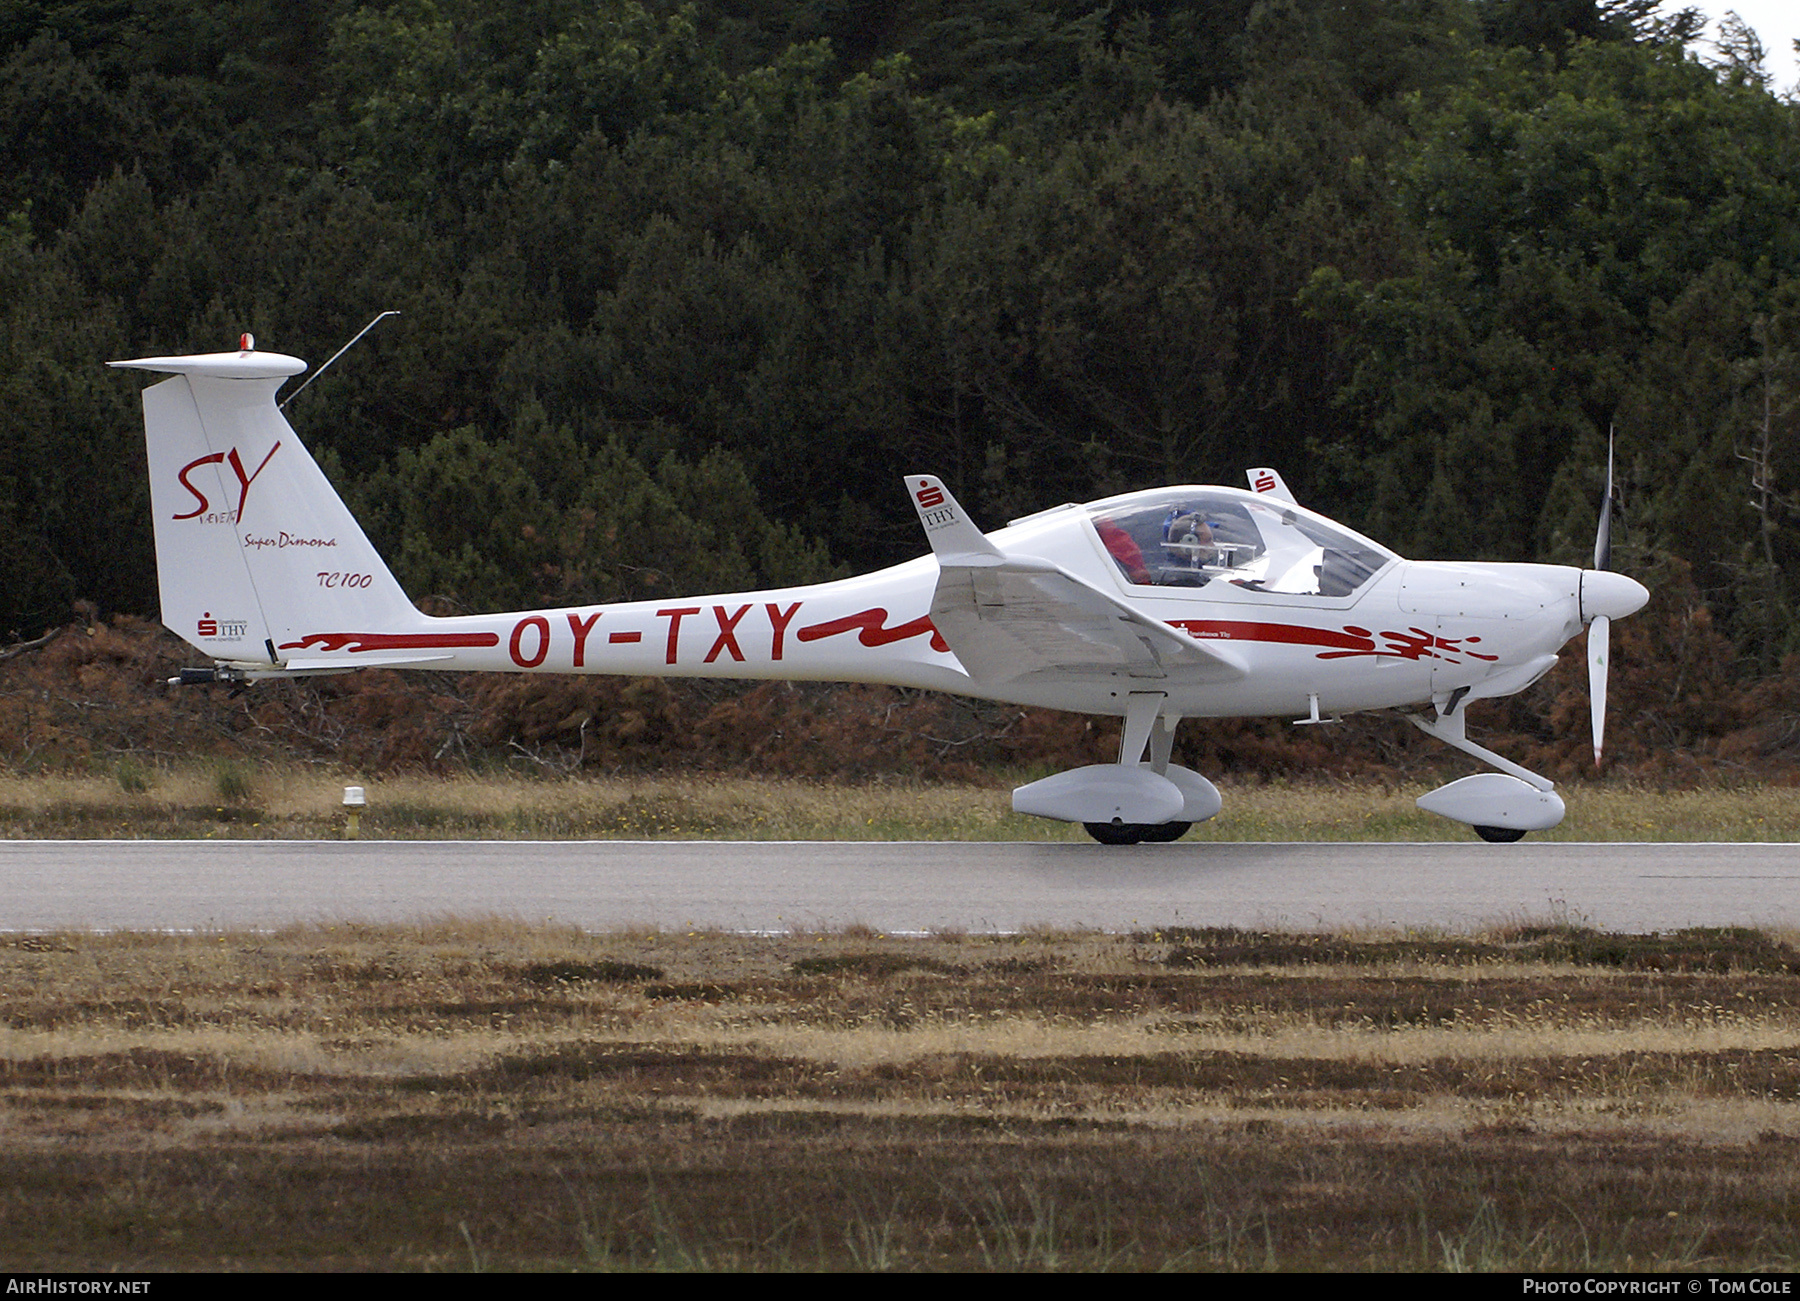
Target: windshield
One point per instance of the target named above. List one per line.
(1190, 537)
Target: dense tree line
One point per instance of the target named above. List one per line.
(685, 289)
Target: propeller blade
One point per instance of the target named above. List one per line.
(1603, 535)
(1599, 651)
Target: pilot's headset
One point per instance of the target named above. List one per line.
(1183, 543)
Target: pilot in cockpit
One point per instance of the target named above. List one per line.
(1188, 547)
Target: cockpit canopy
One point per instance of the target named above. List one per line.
(1188, 537)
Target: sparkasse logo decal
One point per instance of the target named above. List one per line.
(221, 629)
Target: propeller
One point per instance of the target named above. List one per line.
(1599, 643)
(1603, 535)
(1598, 647)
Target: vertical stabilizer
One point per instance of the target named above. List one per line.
(255, 551)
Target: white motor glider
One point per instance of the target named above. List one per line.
(1154, 606)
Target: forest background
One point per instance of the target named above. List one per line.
(686, 289)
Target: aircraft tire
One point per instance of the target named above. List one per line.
(1115, 833)
(1133, 833)
(1499, 835)
(1163, 833)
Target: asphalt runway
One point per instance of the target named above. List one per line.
(893, 887)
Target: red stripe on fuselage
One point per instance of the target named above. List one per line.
(1351, 639)
(370, 641)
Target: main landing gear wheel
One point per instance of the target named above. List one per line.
(1133, 833)
(1499, 835)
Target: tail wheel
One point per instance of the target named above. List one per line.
(1499, 835)
(1133, 833)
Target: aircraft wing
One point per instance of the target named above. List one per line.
(1022, 617)
(1008, 617)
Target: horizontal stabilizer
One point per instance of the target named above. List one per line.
(220, 365)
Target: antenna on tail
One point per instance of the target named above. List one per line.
(334, 356)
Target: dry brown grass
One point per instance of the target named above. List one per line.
(486, 1093)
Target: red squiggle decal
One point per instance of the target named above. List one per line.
(369, 641)
(1415, 644)
(874, 629)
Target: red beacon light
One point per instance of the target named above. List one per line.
(246, 343)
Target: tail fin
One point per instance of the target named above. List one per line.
(254, 549)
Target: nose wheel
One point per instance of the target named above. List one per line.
(1500, 835)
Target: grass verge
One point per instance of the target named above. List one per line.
(139, 801)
